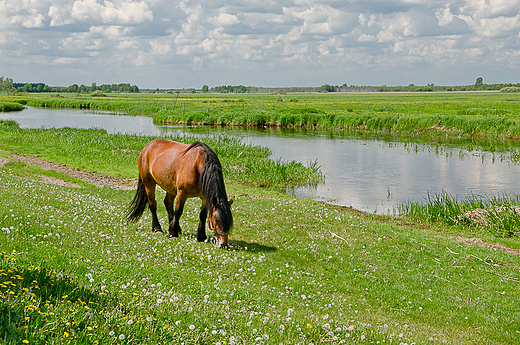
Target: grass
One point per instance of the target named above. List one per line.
(73, 270)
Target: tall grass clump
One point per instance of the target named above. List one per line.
(10, 106)
(497, 215)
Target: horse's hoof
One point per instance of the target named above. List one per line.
(173, 236)
(202, 239)
(158, 230)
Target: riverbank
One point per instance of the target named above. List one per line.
(297, 271)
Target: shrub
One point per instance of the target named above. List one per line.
(510, 89)
(98, 93)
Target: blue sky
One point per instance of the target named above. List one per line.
(183, 44)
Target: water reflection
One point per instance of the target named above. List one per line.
(369, 173)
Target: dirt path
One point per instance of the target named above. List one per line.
(479, 242)
(99, 180)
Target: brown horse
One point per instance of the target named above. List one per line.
(183, 171)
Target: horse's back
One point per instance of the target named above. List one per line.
(168, 163)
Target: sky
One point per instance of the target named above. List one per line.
(186, 44)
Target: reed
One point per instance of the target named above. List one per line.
(498, 215)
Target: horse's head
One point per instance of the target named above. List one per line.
(220, 221)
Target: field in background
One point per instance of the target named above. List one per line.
(471, 114)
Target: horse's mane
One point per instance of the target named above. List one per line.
(212, 185)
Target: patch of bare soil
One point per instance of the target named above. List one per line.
(95, 179)
(4, 161)
(479, 242)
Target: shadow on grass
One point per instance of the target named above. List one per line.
(238, 245)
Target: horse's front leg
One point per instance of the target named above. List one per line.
(175, 228)
(201, 232)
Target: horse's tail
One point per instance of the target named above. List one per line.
(139, 202)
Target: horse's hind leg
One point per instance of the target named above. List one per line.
(152, 204)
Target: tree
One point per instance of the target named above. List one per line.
(327, 88)
(479, 82)
(205, 88)
(6, 85)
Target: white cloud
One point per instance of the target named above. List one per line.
(159, 47)
(64, 61)
(127, 44)
(366, 38)
(224, 19)
(109, 12)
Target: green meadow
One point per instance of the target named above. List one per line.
(74, 271)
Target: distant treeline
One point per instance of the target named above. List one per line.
(74, 88)
(360, 88)
(9, 86)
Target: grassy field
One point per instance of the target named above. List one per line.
(73, 270)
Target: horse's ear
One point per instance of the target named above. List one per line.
(231, 201)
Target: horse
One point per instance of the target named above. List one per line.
(183, 171)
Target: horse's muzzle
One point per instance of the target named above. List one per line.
(221, 241)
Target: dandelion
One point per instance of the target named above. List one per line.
(25, 341)
(121, 337)
(191, 327)
(149, 319)
(59, 275)
(178, 323)
(159, 301)
(130, 322)
(111, 333)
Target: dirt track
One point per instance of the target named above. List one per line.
(96, 179)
